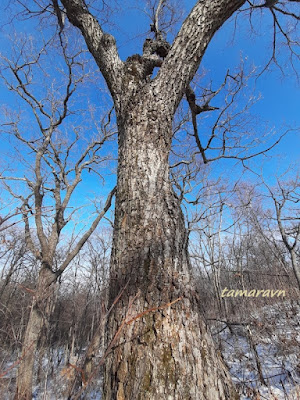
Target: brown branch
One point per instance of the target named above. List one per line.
(2, 374)
(109, 348)
(118, 333)
(149, 310)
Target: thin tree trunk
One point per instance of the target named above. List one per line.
(256, 356)
(95, 348)
(39, 314)
(166, 353)
(295, 266)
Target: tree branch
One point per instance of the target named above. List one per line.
(183, 59)
(101, 45)
(87, 234)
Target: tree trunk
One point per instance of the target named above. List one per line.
(295, 266)
(163, 351)
(95, 348)
(39, 314)
(166, 353)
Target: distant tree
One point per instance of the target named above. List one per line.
(49, 177)
(285, 196)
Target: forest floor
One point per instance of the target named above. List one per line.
(264, 360)
(271, 345)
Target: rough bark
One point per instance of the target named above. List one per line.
(165, 351)
(189, 46)
(39, 314)
(101, 45)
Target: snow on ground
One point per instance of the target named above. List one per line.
(275, 332)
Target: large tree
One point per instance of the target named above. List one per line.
(157, 343)
(166, 353)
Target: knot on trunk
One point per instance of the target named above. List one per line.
(159, 47)
(108, 40)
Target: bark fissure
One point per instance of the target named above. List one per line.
(168, 353)
(189, 46)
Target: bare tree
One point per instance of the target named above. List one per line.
(150, 242)
(13, 250)
(49, 180)
(286, 198)
(166, 352)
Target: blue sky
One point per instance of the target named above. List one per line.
(278, 108)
